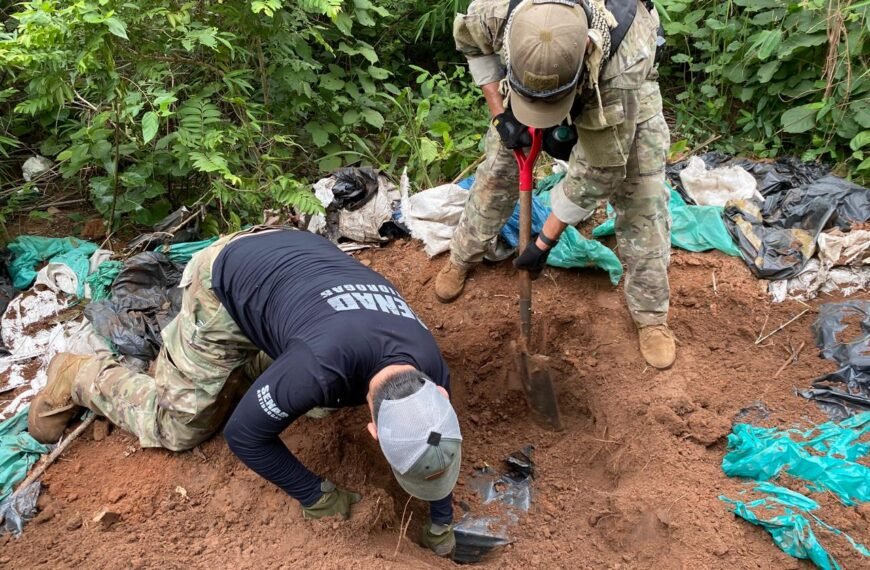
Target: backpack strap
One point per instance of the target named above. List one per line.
(624, 11)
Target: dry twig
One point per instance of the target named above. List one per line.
(782, 326)
(792, 358)
(468, 168)
(40, 469)
(403, 527)
(763, 326)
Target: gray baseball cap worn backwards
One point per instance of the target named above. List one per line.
(419, 435)
(545, 46)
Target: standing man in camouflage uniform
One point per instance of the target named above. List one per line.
(290, 324)
(545, 63)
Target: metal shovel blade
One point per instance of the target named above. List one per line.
(537, 382)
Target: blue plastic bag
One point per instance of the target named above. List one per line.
(573, 250)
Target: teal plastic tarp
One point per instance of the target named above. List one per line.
(826, 458)
(182, 252)
(18, 452)
(783, 514)
(573, 250)
(693, 228)
(102, 278)
(29, 251)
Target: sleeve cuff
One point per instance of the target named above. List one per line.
(564, 209)
(486, 69)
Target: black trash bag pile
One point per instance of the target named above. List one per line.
(778, 237)
(144, 298)
(354, 187)
(842, 332)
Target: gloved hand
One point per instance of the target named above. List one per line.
(439, 538)
(335, 501)
(533, 259)
(513, 133)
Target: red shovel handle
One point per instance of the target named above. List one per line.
(526, 162)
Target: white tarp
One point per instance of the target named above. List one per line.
(31, 334)
(717, 186)
(432, 215)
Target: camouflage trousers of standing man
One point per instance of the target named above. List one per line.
(205, 365)
(620, 158)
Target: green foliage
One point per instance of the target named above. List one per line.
(435, 19)
(436, 129)
(234, 104)
(772, 76)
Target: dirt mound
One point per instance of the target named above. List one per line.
(632, 482)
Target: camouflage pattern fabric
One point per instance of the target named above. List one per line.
(198, 375)
(620, 157)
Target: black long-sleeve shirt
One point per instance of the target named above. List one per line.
(330, 324)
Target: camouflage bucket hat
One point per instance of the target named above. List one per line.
(545, 45)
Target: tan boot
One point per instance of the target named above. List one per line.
(450, 282)
(657, 346)
(52, 409)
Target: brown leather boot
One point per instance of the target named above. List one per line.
(52, 409)
(450, 282)
(657, 346)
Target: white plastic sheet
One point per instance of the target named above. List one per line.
(717, 186)
(432, 215)
(30, 334)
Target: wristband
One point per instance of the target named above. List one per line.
(547, 241)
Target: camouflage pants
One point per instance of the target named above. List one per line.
(204, 366)
(620, 157)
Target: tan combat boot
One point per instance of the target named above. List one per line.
(657, 345)
(52, 409)
(450, 282)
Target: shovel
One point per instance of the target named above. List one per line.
(532, 369)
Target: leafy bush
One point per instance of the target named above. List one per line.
(239, 105)
(234, 104)
(772, 76)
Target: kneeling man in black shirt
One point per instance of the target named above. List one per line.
(318, 330)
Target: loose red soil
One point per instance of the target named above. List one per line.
(632, 482)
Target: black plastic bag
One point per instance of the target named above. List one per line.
(478, 536)
(144, 298)
(778, 238)
(770, 252)
(846, 390)
(7, 291)
(354, 187)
